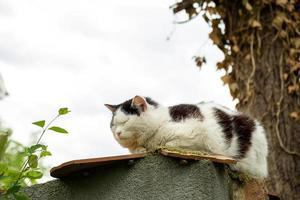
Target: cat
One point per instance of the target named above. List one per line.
(142, 125)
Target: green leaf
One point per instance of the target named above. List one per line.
(39, 123)
(58, 129)
(3, 177)
(21, 196)
(3, 143)
(63, 111)
(45, 153)
(13, 189)
(33, 148)
(34, 174)
(33, 161)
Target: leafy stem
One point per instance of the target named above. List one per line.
(46, 128)
(30, 165)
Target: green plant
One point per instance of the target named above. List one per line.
(20, 165)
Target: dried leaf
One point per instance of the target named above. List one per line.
(294, 115)
(248, 56)
(212, 10)
(247, 5)
(200, 61)
(227, 79)
(290, 61)
(294, 51)
(236, 48)
(295, 67)
(191, 11)
(290, 7)
(233, 39)
(285, 76)
(215, 23)
(283, 34)
(296, 42)
(256, 24)
(279, 19)
(293, 88)
(215, 37)
(221, 65)
(233, 88)
(281, 2)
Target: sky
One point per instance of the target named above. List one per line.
(83, 54)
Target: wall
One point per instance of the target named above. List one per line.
(153, 177)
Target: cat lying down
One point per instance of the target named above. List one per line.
(141, 124)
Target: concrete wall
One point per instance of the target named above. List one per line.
(154, 177)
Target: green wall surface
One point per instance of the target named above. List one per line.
(154, 177)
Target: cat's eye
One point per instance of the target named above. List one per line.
(122, 121)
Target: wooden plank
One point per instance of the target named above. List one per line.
(70, 167)
(196, 155)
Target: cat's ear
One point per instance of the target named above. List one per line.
(140, 102)
(112, 108)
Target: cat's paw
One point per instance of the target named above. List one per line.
(139, 150)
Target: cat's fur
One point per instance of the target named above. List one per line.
(140, 124)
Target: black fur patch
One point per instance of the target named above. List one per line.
(130, 109)
(127, 108)
(112, 120)
(151, 102)
(225, 121)
(243, 127)
(183, 111)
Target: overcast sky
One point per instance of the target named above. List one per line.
(82, 54)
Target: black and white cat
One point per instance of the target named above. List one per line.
(141, 124)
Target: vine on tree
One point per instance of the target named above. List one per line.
(285, 21)
(249, 31)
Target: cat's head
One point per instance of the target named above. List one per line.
(129, 119)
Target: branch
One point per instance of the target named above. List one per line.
(248, 93)
(284, 148)
(182, 5)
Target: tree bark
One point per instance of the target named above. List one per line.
(258, 75)
(270, 102)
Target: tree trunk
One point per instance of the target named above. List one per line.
(264, 95)
(262, 60)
